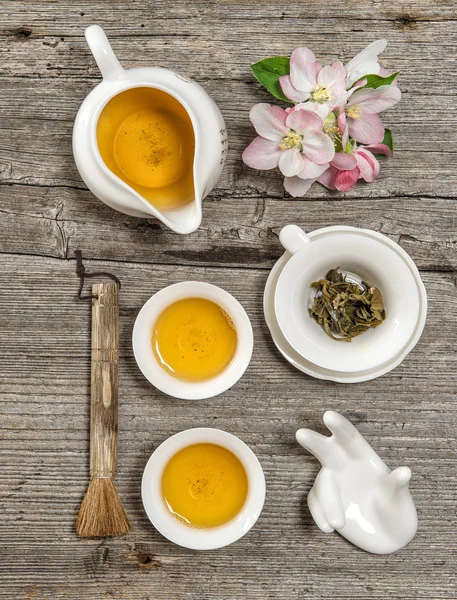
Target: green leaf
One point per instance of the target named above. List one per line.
(269, 70)
(349, 147)
(375, 81)
(388, 141)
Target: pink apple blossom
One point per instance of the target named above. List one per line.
(292, 141)
(299, 184)
(346, 169)
(333, 131)
(310, 81)
(361, 111)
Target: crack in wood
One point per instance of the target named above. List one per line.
(203, 266)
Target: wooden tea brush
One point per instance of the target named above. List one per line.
(101, 513)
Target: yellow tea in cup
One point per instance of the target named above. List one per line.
(204, 485)
(194, 339)
(146, 138)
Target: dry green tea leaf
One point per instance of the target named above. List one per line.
(346, 309)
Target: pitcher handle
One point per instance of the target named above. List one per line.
(109, 66)
(292, 237)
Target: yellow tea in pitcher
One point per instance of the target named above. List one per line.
(146, 138)
(204, 485)
(194, 339)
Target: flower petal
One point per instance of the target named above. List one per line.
(297, 187)
(326, 77)
(269, 121)
(303, 69)
(369, 68)
(344, 162)
(318, 147)
(342, 126)
(323, 110)
(262, 154)
(330, 75)
(304, 120)
(368, 129)
(362, 82)
(290, 92)
(368, 54)
(379, 149)
(311, 170)
(375, 100)
(328, 178)
(346, 180)
(290, 162)
(365, 62)
(367, 164)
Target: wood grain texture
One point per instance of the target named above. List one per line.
(46, 212)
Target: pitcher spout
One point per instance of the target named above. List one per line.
(185, 219)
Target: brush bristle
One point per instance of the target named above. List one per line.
(101, 513)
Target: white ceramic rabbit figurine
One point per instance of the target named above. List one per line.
(355, 492)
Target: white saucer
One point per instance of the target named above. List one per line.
(308, 367)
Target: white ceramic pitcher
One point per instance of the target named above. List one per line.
(208, 124)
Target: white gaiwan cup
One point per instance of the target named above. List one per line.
(356, 255)
(208, 124)
(211, 537)
(157, 375)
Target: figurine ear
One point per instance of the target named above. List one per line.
(315, 443)
(392, 483)
(400, 477)
(342, 429)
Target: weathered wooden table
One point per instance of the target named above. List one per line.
(410, 415)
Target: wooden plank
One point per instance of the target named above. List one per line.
(44, 417)
(405, 15)
(37, 150)
(236, 231)
(222, 48)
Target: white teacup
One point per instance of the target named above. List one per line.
(156, 374)
(356, 254)
(211, 537)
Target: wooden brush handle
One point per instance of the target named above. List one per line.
(104, 380)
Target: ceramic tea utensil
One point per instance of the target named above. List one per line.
(101, 513)
(163, 380)
(208, 128)
(361, 254)
(308, 366)
(359, 257)
(355, 492)
(207, 538)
